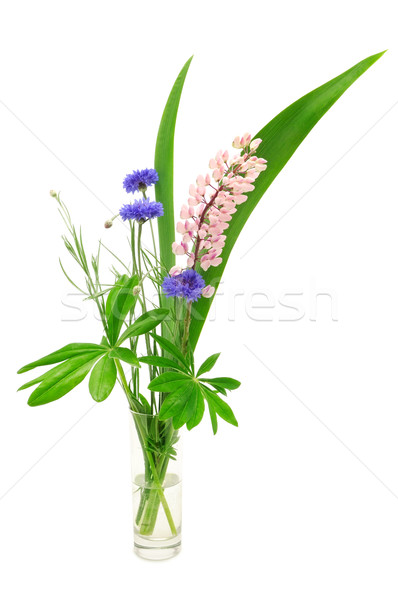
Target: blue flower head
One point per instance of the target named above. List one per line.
(188, 284)
(140, 180)
(141, 210)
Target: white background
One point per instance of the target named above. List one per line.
(299, 502)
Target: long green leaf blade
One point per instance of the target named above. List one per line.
(169, 381)
(146, 322)
(126, 355)
(63, 354)
(164, 165)
(219, 406)
(119, 303)
(223, 382)
(62, 379)
(160, 361)
(102, 379)
(199, 410)
(281, 138)
(208, 364)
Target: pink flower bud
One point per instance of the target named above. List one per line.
(180, 227)
(175, 271)
(178, 249)
(184, 214)
(217, 174)
(208, 291)
(254, 144)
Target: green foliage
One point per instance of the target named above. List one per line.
(160, 361)
(62, 354)
(171, 349)
(168, 381)
(281, 138)
(120, 302)
(63, 378)
(144, 323)
(223, 382)
(185, 394)
(164, 165)
(102, 379)
(220, 407)
(208, 364)
(126, 355)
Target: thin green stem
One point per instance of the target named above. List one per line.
(187, 322)
(148, 455)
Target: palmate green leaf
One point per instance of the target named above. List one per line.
(62, 379)
(160, 361)
(63, 354)
(169, 382)
(220, 407)
(119, 303)
(144, 323)
(223, 382)
(102, 379)
(126, 355)
(281, 137)
(208, 364)
(164, 165)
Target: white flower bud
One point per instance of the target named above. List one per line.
(108, 224)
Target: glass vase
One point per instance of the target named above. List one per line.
(156, 480)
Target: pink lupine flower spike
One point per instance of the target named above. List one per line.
(205, 220)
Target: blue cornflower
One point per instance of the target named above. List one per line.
(188, 284)
(140, 180)
(141, 210)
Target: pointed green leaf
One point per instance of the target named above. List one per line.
(208, 364)
(102, 379)
(168, 382)
(188, 410)
(62, 354)
(144, 323)
(281, 137)
(126, 355)
(224, 382)
(119, 303)
(213, 418)
(197, 415)
(171, 349)
(174, 402)
(159, 361)
(164, 159)
(221, 408)
(32, 382)
(62, 379)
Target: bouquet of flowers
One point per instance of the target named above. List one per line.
(153, 313)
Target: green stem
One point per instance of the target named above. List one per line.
(149, 456)
(147, 338)
(187, 323)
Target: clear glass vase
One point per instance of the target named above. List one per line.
(156, 478)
